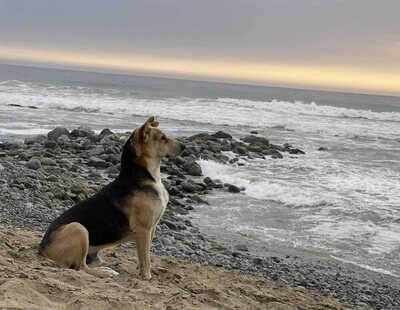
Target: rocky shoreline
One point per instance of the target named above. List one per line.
(45, 175)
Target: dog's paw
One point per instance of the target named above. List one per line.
(109, 271)
(146, 277)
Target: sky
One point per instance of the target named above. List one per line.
(343, 45)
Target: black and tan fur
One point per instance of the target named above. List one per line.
(128, 209)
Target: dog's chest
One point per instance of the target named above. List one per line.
(162, 196)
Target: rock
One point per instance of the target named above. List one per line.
(63, 139)
(256, 139)
(56, 133)
(48, 162)
(34, 164)
(97, 162)
(50, 144)
(202, 137)
(169, 224)
(296, 151)
(323, 148)
(241, 150)
(82, 132)
(79, 189)
(257, 261)
(35, 139)
(222, 135)
(177, 160)
(193, 168)
(188, 187)
(198, 199)
(57, 192)
(106, 132)
(234, 189)
(253, 132)
(242, 247)
(173, 191)
(99, 150)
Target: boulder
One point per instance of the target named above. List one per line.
(256, 139)
(202, 137)
(34, 164)
(96, 162)
(193, 168)
(48, 162)
(82, 132)
(221, 135)
(106, 132)
(296, 151)
(234, 189)
(35, 139)
(57, 132)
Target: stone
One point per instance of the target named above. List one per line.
(34, 164)
(48, 162)
(63, 139)
(296, 151)
(50, 144)
(202, 137)
(35, 139)
(78, 189)
(99, 150)
(222, 135)
(173, 191)
(106, 132)
(234, 189)
(96, 162)
(188, 187)
(82, 132)
(241, 150)
(256, 139)
(193, 168)
(57, 192)
(323, 148)
(57, 132)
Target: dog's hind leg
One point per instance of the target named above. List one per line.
(93, 258)
(69, 248)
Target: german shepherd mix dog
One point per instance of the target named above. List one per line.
(127, 209)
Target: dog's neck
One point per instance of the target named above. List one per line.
(153, 167)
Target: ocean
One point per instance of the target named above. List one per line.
(343, 201)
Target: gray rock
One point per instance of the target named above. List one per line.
(241, 150)
(198, 199)
(63, 139)
(56, 133)
(188, 187)
(96, 162)
(202, 137)
(35, 139)
(49, 144)
(323, 148)
(222, 135)
(234, 189)
(173, 191)
(82, 132)
(193, 168)
(296, 151)
(256, 139)
(48, 162)
(106, 132)
(57, 192)
(34, 164)
(99, 150)
(79, 189)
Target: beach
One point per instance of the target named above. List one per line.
(44, 175)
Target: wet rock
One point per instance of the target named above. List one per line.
(253, 132)
(173, 191)
(57, 192)
(188, 187)
(323, 148)
(296, 151)
(222, 135)
(193, 168)
(256, 139)
(202, 137)
(242, 150)
(234, 189)
(56, 133)
(198, 199)
(34, 164)
(99, 150)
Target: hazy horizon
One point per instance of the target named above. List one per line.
(346, 46)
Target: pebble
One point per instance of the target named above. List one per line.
(34, 164)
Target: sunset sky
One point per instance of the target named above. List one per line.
(351, 45)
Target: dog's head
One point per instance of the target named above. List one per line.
(152, 142)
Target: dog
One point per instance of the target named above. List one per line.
(127, 209)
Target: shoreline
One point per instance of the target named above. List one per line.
(45, 175)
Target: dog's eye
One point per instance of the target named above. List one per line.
(164, 138)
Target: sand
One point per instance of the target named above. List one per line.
(28, 282)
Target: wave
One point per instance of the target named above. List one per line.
(277, 115)
(261, 190)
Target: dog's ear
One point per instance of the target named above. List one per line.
(144, 130)
(155, 124)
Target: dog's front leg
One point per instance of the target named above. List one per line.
(143, 241)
